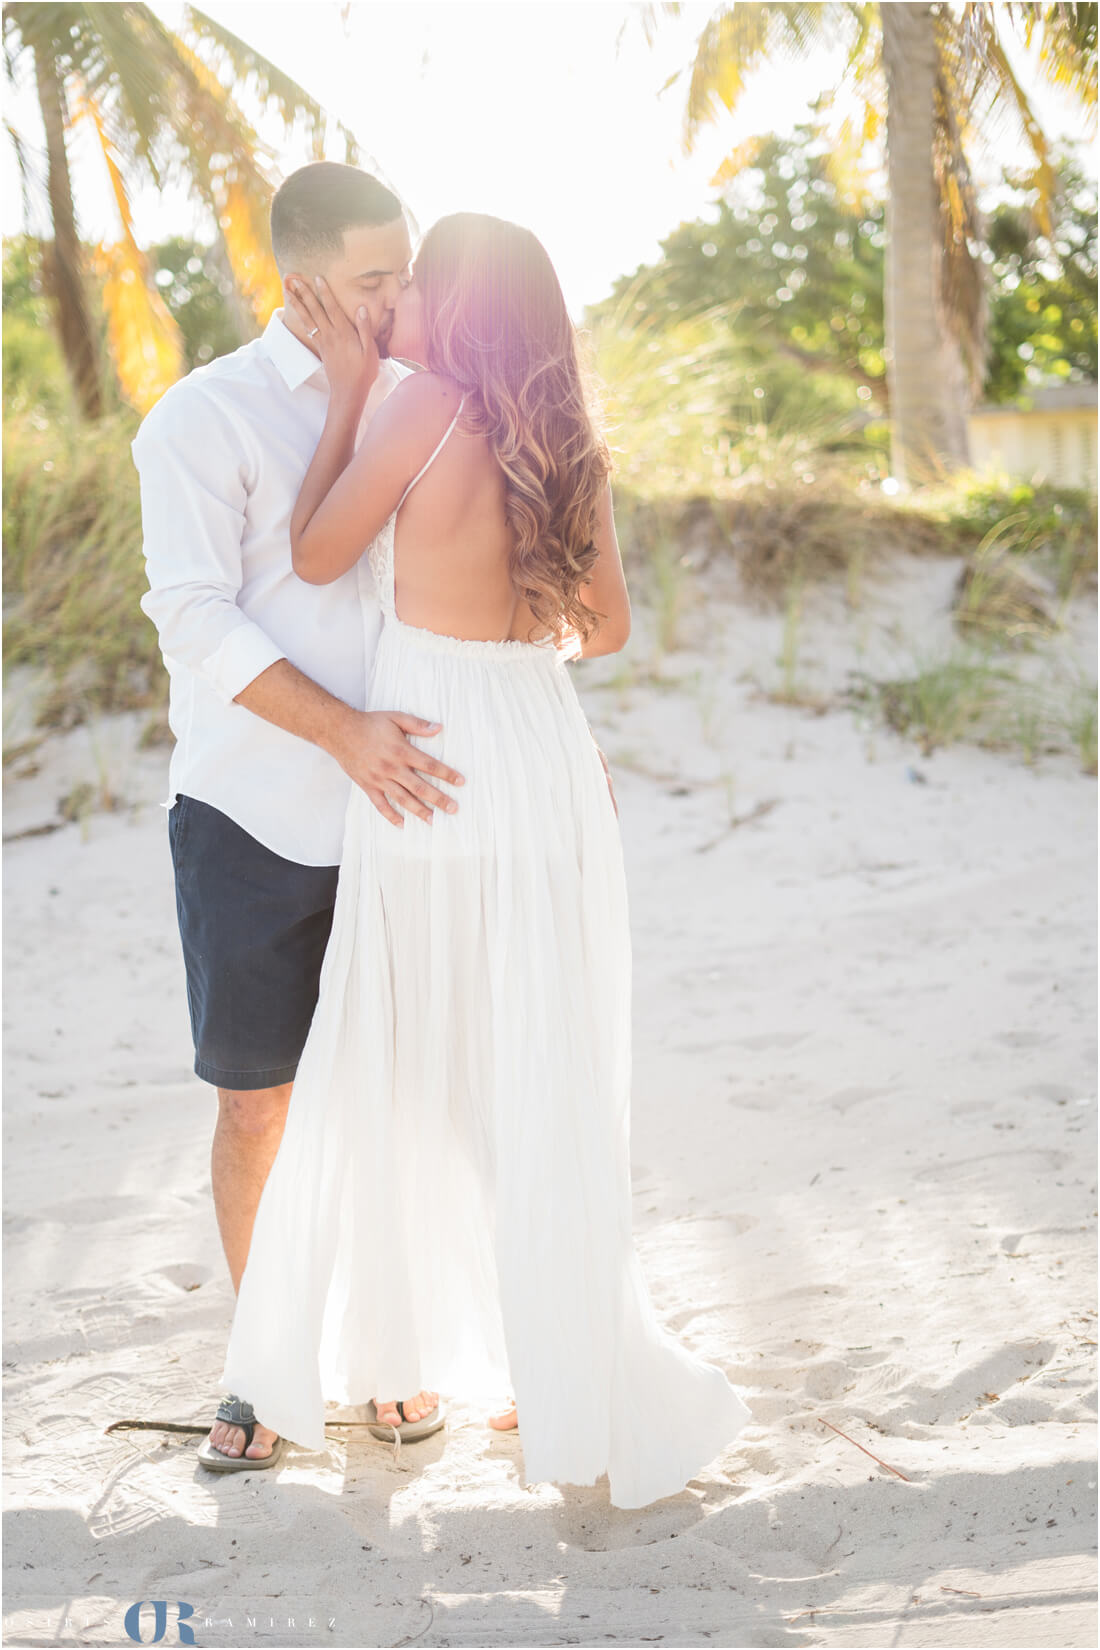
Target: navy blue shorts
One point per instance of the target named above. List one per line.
(254, 928)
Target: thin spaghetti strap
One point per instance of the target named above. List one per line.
(434, 456)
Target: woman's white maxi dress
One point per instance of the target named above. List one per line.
(450, 1205)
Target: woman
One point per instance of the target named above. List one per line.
(451, 1198)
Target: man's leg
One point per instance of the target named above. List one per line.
(246, 1138)
(249, 1128)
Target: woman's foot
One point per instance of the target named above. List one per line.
(229, 1438)
(415, 1408)
(506, 1419)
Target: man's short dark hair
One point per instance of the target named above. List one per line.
(315, 204)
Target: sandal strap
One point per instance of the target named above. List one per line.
(238, 1412)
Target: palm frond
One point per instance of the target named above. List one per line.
(1045, 177)
(243, 223)
(12, 47)
(84, 107)
(162, 104)
(352, 150)
(862, 72)
(273, 86)
(648, 17)
(743, 156)
(25, 177)
(846, 161)
(143, 337)
(1067, 46)
(200, 112)
(963, 275)
(731, 46)
(127, 71)
(231, 169)
(740, 39)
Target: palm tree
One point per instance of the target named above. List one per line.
(940, 74)
(157, 106)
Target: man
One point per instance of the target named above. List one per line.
(268, 684)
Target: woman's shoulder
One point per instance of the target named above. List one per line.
(422, 398)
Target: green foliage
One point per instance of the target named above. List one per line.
(73, 571)
(1056, 525)
(201, 298)
(1043, 311)
(689, 411)
(35, 379)
(970, 694)
(73, 568)
(197, 291)
(751, 354)
(946, 699)
(799, 272)
(753, 349)
(163, 108)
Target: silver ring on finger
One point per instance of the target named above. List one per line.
(315, 331)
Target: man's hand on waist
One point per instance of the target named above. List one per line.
(374, 749)
(372, 746)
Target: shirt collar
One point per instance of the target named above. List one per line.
(295, 361)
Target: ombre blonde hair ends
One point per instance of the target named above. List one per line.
(497, 324)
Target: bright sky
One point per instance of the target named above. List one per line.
(546, 111)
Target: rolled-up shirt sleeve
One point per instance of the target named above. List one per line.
(194, 494)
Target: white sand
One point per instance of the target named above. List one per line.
(863, 1137)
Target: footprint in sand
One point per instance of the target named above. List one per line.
(1024, 1039)
(771, 1039)
(842, 1100)
(967, 1392)
(185, 1275)
(680, 1320)
(968, 1168)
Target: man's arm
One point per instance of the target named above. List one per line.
(193, 499)
(370, 746)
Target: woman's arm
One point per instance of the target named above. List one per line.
(606, 590)
(346, 496)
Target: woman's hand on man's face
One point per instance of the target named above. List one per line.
(347, 349)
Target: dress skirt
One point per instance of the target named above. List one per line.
(450, 1205)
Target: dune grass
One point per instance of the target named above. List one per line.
(73, 568)
(74, 576)
(974, 694)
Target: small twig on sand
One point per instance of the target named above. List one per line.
(962, 1591)
(412, 1637)
(758, 812)
(874, 1457)
(37, 830)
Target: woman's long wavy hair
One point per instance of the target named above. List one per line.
(497, 324)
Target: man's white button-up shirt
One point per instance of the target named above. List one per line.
(221, 458)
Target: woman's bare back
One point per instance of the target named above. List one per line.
(452, 544)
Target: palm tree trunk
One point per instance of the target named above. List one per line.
(928, 427)
(62, 263)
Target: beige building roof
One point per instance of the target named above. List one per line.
(1046, 398)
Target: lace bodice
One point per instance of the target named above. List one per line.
(380, 561)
